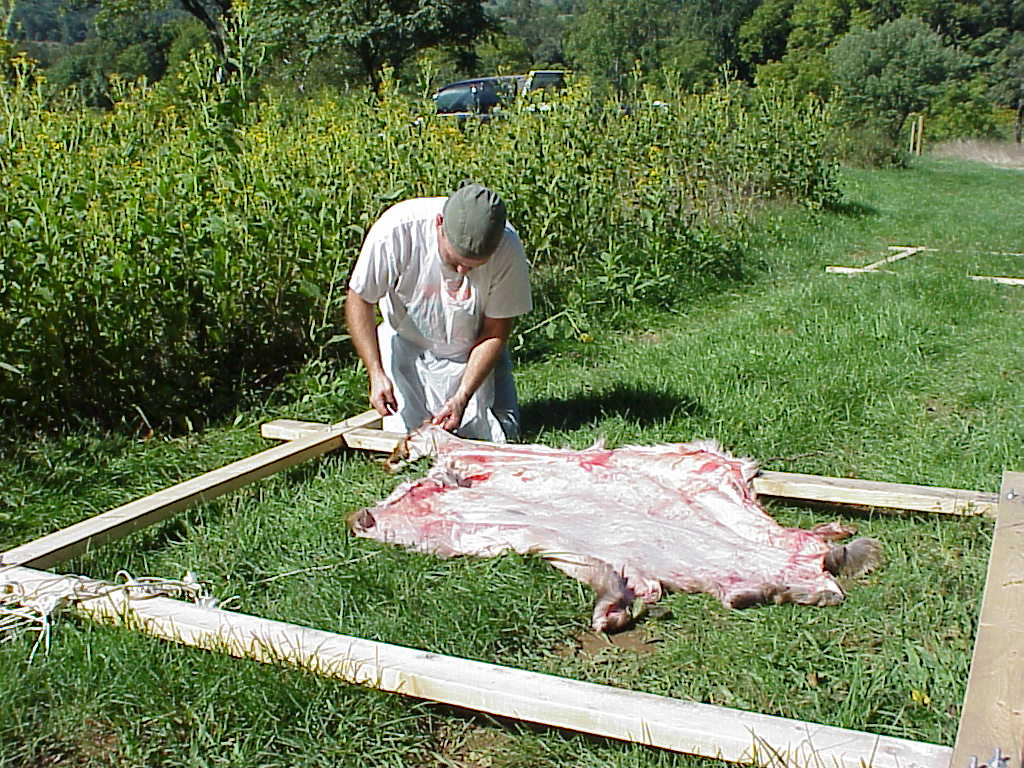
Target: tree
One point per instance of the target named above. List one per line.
(718, 22)
(503, 54)
(539, 24)
(210, 13)
(379, 33)
(763, 37)
(131, 48)
(888, 73)
(613, 38)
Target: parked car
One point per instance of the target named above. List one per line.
(479, 97)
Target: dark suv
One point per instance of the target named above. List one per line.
(479, 96)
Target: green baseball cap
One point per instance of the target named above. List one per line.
(474, 220)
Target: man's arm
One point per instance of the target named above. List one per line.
(362, 327)
(482, 359)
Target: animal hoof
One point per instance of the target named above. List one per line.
(858, 557)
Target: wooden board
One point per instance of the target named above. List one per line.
(872, 493)
(688, 727)
(837, 490)
(1001, 280)
(993, 713)
(119, 522)
(902, 252)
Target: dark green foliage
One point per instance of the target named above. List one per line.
(374, 36)
(48, 20)
(1001, 58)
(963, 108)
(620, 40)
(539, 26)
(131, 47)
(763, 36)
(886, 74)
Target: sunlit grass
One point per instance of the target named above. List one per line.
(910, 377)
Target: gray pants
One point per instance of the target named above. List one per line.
(506, 401)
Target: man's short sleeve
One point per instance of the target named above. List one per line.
(374, 270)
(510, 286)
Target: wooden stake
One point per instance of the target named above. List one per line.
(836, 490)
(993, 713)
(119, 522)
(681, 726)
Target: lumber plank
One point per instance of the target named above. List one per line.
(857, 271)
(873, 493)
(681, 726)
(1000, 280)
(901, 252)
(121, 521)
(792, 485)
(993, 712)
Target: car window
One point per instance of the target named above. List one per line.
(540, 80)
(459, 98)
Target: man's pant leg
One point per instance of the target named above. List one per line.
(506, 401)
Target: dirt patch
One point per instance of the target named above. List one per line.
(1004, 154)
(633, 640)
(472, 746)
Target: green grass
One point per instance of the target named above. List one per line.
(911, 377)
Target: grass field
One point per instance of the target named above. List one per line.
(914, 376)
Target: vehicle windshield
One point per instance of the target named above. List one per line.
(460, 99)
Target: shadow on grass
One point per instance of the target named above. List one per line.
(642, 405)
(852, 209)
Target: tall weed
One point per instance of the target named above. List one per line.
(194, 239)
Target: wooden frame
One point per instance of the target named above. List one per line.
(903, 251)
(993, 712)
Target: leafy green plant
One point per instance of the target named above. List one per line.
(196, 238)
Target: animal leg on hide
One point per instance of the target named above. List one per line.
(858, 557)
(361, 521)
(613, 596)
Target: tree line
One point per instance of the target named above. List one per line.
(959, 60)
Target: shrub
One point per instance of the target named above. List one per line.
(885, 74)
(963, 111)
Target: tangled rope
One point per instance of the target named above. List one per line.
(33, 609)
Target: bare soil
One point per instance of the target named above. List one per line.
(1004, 154)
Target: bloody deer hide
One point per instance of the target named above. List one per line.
(630, 522)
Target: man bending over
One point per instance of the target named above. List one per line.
(449, 275)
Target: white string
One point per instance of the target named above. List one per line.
(22, 610)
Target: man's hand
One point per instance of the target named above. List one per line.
(450, 415)
(485, 353)
(362, 326)
(382, 394)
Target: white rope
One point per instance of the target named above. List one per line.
(23, 610)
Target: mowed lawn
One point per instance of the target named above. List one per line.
(915, 376)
